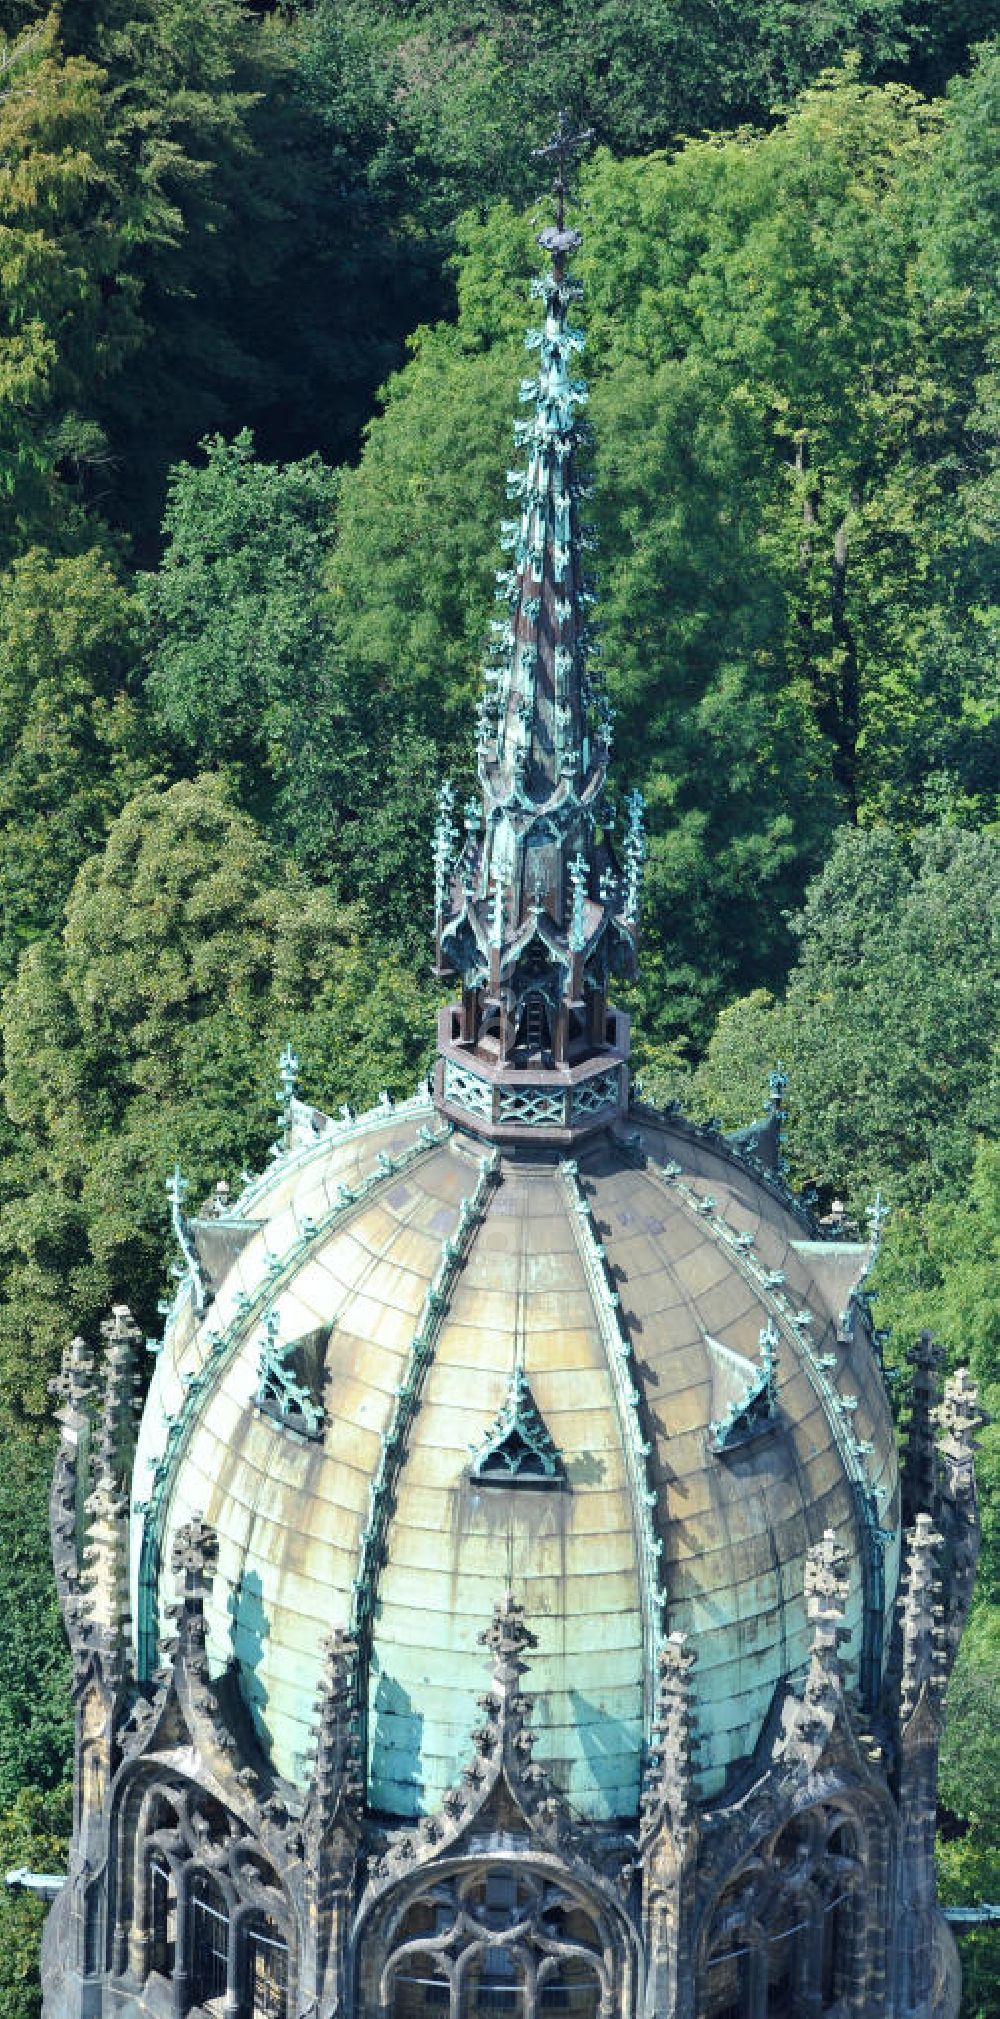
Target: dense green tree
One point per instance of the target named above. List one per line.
(65, 321)
(240, 659)
(36, 1725)
(678, 66)
(244, 675)
(73, 744)
(34, 1831)
(969, 1848)
(150, 1033)
(889, 1022)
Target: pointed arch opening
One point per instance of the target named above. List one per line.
(782, 1942)
(494, 1941)
(534, 1036)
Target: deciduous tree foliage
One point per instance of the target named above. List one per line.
(149, 1032)
(73, 742)
(34, 1831)
(64, 321)
(216, 781)
(889, 1022)
(240, 656)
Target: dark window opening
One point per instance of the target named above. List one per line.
(534, 1030)
(419, 1987)
(162, 1915)
(572, 1988)
(209, 1940)
(837, 1933)
(729, 1983)
(493, 1987)
(266, 1973)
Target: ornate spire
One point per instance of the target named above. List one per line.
(533, 912)
(920, 1462)
(193, 1557)
(924, 1662)
(808, 1721)
(105, 1578)
(668, 1793)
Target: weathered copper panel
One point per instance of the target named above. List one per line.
(734, 1527)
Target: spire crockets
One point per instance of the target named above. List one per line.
(532, 911)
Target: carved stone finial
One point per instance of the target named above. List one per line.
(507, 1636)
(120, 1404)
(194, 1554)
(923, 1665)
(960, 1417)
(668, 1792)
(337, 1784)
(73, 1386)
(808, 1721)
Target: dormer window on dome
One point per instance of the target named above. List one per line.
(518, 1450)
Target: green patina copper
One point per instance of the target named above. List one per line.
(518, 1449)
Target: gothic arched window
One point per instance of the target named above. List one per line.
(500, 1942)
(209, 1938)
(781, 1943)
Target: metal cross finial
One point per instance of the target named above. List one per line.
(877, 1215)
(562, 146)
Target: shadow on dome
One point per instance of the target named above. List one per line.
(396, 1740)
(248, 1632)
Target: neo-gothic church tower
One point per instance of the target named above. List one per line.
(505, 1604)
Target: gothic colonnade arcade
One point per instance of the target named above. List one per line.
(798, 1929)
(199, 1907)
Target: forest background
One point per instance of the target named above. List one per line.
(262, 297)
